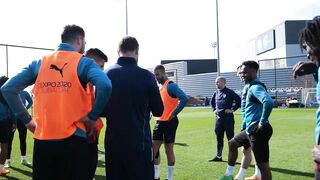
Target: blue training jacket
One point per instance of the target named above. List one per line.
(25, 97)
(225, 99)
(135, 93)
(256, 113)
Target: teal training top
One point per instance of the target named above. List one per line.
(258, 106)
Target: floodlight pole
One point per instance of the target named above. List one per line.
(218, 44)
(126, 17)
(7, 61)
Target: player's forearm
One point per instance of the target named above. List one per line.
(14, 86)
(182, 103)
(267, 108)
(103, 94)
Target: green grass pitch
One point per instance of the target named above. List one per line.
(290, 147)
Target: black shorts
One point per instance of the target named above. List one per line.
(260, 143)
(5, 131)
(317, 164)
(243, 139)
(63, 159)
(166, 130)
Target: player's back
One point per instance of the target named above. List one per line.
(129, 102)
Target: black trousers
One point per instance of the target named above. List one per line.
(130, 165)
(22, 138)
(65, 159)
(93, 158)
(223, 125)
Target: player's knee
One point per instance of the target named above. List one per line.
(232, 144)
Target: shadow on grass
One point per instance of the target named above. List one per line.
(8, 177)
(285, 171)
(99, 177)
(292, 172)
(181, 144)
(101, 163)
(27, 173)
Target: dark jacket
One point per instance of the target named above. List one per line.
(225, 99)
(135, 93)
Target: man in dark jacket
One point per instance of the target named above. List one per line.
(224, 102)
(128, 137)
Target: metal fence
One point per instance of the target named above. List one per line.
(14, 57)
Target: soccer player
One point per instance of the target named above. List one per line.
(246, 158)
(6, 126)
(224, 102)
(128, 136)
(174, 100)
(25, 98)
(309, 39)
(63, 112)
(100, 58)
(257, 130)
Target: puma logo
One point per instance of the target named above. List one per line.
(54, 67)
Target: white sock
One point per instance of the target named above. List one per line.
(23, 158)
(257, 172)
(170, 172)
(229, 170)
(8, 160)
(156, 171)
(1, 166)
(241, 173)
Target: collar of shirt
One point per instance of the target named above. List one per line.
(127, 61)
(65, 47)
(223, 89)
(255, 80)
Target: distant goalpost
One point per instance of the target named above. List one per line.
(309, 97)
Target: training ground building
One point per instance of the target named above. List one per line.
(276, 50)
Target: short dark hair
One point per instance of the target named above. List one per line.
(97, 52)
(251, 64)
(71, 33)
(3, 79)
(128, 43)
(160, 67)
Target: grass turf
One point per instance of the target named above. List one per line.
(290, 147)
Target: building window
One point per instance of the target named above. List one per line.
(170, 74)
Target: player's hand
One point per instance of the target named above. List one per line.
(94, 137)
(89, 124)
(316, 153)
(228, 111)
(31, 126)
(303, 68)
(256, 128)
(171, 117)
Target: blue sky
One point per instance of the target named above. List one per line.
(166, 29)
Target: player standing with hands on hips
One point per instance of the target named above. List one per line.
(174, 100)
